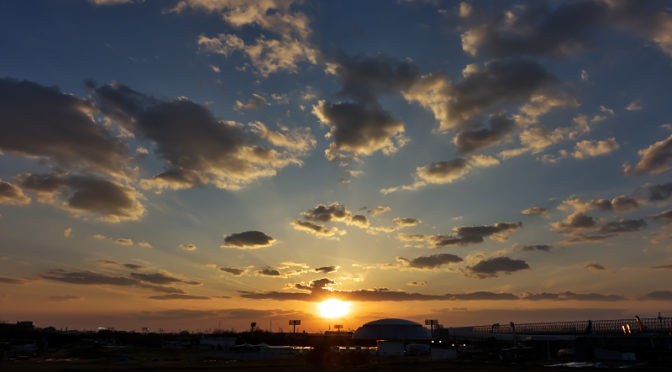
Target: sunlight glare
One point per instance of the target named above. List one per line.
(333, 308)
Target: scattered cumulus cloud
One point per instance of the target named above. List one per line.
(248, 240)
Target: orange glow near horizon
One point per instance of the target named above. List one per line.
(333, 308)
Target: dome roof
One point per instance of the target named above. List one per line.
(392, 329)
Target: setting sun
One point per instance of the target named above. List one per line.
(334, 308)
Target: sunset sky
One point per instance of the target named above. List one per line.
(181, 164)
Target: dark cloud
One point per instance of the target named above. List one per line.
(320, 231)
(364, 77)
(268, 271)
(6, 280)
(11, 194)
(42, 122)
(623, 204)
(421, 283)
(542, 29)
(534, 210)
(178, 297)
(653, 159)
(465, 235)
(489, 268)
(594, 267)
(623, 226)
(576, 220)
(195, 146)
(326, 269)
(315, 285)
(475, 234)
(469, 140)
(666, 267)
(358, 129)
(444, 171)
(134, 266)
(233, 271)
(665, 215)
(483, 295)
(113, 201)
(406, 221)
(532, 248)
(571, 296)
(658, 296)
(87, 277)
(325, 213)
(248, 240)
(493, 86)
(359, 220)
(430, 262)
(160, 278)
(660, 192)
(64, 298)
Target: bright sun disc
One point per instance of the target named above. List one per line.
(333, 308)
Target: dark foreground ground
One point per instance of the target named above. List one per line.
(200, 362)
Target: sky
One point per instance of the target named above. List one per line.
(194, 164)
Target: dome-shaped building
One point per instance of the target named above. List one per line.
(392, 330)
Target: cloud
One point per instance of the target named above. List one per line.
(134, 266)
(268, 271)
(534, 210)
(64, 298)
(444, 172)
(110, 2)
(379, 210)
(248, 240)
(469, 140)
(234, 270)
(359, 130)
(41, 122)
(144, 245)
(666, 267)
(79, 194)
(571, 296)
(465, 235)
(660, 192)
(658, 296)
(622, 226)
(187, 247)
(559, 31)
(430, 262)
(12, 195)
(6, 280)
(178, 296)
(257, 101)
(653, 159)
(318, 230)
(489, 268)
(160, 278)
(492, 86)
(421, 283)
(620, 204)
(532, 248)
(576, 220)
(195, 147)
(634, 106)
(318, 293)
(594, 267)
(359, 220)
(124, 241)
(86, 277)
(665, 215)
(283, 38)
(406, 221)
(67, 232)
(326, 269)
(589, 148)
(299, 140)
(366, 76)
(326, 213)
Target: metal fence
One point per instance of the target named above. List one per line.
(600, 327)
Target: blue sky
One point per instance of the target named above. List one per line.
(235, 160)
